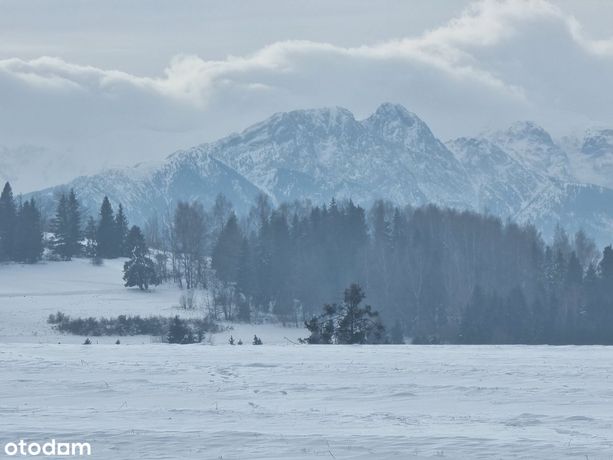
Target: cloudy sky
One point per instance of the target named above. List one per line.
(87, 84)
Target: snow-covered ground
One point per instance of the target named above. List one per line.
(280, 400)
(161, 401)
(30, 293)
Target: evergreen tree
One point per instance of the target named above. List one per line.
(105, 235)
(121, 232)
(605, 267)
(59, 228)
(347, 323)
(8, 223)
(140, 269)
(135, 241)
(179, 332)
(74, 224)
(91, 230)
(29, 234)
(66, 227)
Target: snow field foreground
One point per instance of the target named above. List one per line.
(161, 401)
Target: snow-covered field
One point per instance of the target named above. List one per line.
(281, 401)
(30, 293)
(301, 402)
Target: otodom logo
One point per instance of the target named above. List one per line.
(50, 448)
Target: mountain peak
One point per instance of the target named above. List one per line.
(391, 111)
(395, 123)
(323, 115)
(528, 130)
(286, 125)
(597, 142)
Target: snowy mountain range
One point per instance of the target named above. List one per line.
(519, 173)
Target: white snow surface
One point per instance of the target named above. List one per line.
(301, 402)
(30, 293)
(280, 401)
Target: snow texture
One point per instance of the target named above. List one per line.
(280, 400)
(302, 402)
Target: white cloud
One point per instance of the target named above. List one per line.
(496, 62)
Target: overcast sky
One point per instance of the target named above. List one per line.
(100, 83)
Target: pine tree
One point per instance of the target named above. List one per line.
(347, 323)
(135, 241)
(140, 269)
(121, 232)
(8, 222)
(605, 267)
(29, 235)
(66, 227)
(105, 236)
(59, 228)
(91, 229)
(179, 332)
(74, 224)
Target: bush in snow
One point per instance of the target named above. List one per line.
(127, 325)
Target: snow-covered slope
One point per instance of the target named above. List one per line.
(503, 184)
(146, 189)
(318, 154)
(531, 145)
(521, 173)
(592, 156)
(325, 153)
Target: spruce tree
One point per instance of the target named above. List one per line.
(140, 269)
(179, 332)
(121, 232)
(347, 323)
(66, 227)
(59, 228)
(605, 267)
(91, 230)
(74, 224)
(105, 236)
(8, 222)
(29, 236)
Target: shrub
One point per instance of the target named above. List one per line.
(129, 325)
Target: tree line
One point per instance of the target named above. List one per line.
(436, 275)
(109, 236)
(21, 229)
